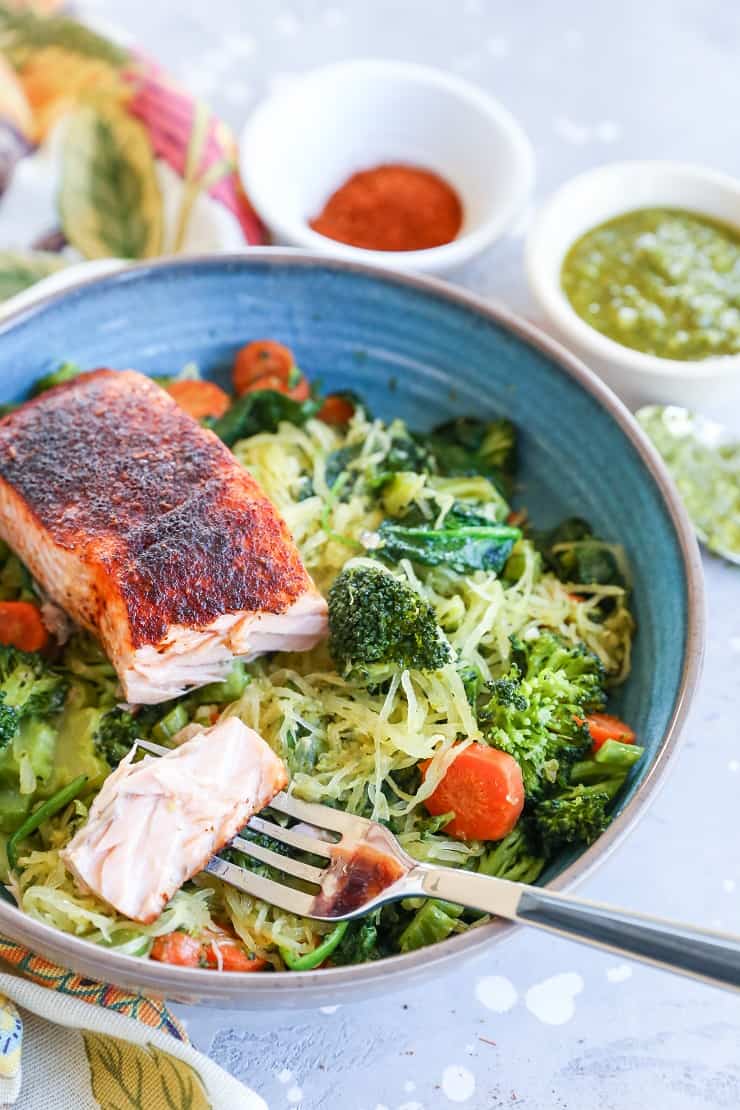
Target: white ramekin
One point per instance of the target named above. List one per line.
(304, 141)
(589, 200)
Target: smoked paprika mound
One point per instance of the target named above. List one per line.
(392, 208)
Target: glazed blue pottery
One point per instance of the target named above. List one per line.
(421, 350)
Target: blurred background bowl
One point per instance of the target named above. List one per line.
(589, 200)
(304, 141)
(421, 350)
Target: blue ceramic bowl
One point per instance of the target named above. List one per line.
(424, 351)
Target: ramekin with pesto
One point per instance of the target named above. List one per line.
(663, 281)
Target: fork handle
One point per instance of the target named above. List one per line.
(710, 956)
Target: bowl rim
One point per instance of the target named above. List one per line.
(545, 285)
(242, 988)
(521, 157)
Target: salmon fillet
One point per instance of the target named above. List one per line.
(156, 823)
(143, 527)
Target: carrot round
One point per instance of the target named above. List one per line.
(233, 958)
(21, 626)
(298, 391)
(603, 727)
(199, 398)
(336, 410)
(177, 948)
(185, 951)
(260, 358)
(485, 791)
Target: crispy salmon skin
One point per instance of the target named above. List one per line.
(156, 823)
(143, 527)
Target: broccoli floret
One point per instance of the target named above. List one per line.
(375, 618)
(115, 735)
(513, 858)
(581, 811)
(28, 687)
(536, 712)
(578, 815)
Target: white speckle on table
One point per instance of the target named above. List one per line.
(553, 1000)
(619, 973)
(284, 1076)
(735, 644)
(733, 765)
(287, 24)
(458, 1083)
(571, 131)
(470, 1049)
(328, 1009)
(728, 885)
(474, 7)
(294, 1095)
(409, 1086)
(498, 46)
(573, 38)
(496, 993)
(411, 1106)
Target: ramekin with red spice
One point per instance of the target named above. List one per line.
(308, 141)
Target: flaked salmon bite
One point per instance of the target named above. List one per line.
(156, 823)
(145, 529)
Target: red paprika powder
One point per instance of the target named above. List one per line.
(392, 208)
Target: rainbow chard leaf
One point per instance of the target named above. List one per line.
(109, 201)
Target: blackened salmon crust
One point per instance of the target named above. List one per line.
(114, 471)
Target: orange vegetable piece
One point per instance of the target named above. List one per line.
(185, 951)
(336, 410)
(258, 359)
(21, 626)
(484, 789)
(177, 948)
(199, 398)
(300, 391)
(603, 727)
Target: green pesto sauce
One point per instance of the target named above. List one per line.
(659, 280)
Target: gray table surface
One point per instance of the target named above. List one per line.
(538, 1023)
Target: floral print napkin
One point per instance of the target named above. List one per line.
(102, 155)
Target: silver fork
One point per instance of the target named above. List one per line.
(366, 868)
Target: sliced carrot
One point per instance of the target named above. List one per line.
(336, 410)
(259, 359)
(576, 597)
(233, 958)
(299, 390)
(603, 727)
(484, 789)
(185, 951)
(21, 626)
(199, 398)
(177, 948)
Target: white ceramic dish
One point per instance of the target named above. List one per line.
(589, 200)
(303, 142)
